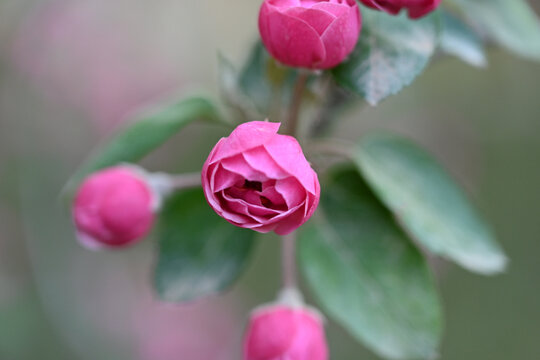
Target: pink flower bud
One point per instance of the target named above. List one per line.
(416, 8)
(260, 180)
(313, 34)
(283, 332)
(113, 208)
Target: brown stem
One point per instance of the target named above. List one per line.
(296, 101)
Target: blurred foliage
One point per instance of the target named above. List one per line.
(482, 124)
(200, 254)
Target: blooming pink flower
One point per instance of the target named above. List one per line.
(113, 208)
(416, 8)
(260, 180)
(314, 34)
(282, 332)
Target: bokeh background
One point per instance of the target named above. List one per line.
(71, 70)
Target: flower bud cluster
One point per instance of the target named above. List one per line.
(320, 34)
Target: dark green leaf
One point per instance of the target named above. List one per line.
(460, 40)
(200, 254)
(428, 203)
(511, 23)
(368, 275)
(145, 134)
(391, 52)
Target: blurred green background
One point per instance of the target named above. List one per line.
(71, 70)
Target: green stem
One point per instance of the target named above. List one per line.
(288, 243)
(288, 259)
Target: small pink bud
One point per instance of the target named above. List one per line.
(283, 332)
(260, 180)
(113, 208)
(416, 8)
(313, 34)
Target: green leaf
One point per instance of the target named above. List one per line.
(261, 87)
(367, 274)
(253, 78)
(231, 92)
(391, 52)
(511, 23)
(200, 254)
(145, 134)
(427, 202)
(460, 40)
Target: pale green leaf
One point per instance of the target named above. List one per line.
(367, 275)
(458, 39)
(143, 135)
(391, 52)
(511, 23)
(428, 203)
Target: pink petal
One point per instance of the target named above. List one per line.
(259, 214)
(383, 6)
(279, 332)
(237, 164)
(261, 161)
(249, 196)
(336, 10)
(310, 341)
(291, 190)
(246, 136)
(264, 27)
(275, 221)
(318, 20)
(125, 210)
(113, 206)
(231, 216)
(292, 41)
(270, 334)
(286, 151)
(313, 203)
(258, 211)
(416, 12)
(215, 149)
(340, 38)
(284, 4)
(271, 194)
(208, 187)
(222, 178)
(291, 223)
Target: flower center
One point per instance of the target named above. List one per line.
(253, 185)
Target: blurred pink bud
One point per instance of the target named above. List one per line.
(416, 8)
(313, 34)
(260, 180)
(93, 56)
(113, 208)
(282, 332)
